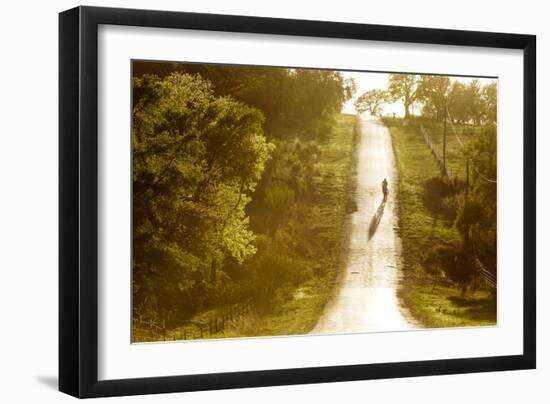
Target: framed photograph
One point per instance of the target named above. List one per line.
(251, 201)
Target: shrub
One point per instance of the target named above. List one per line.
(440, 196)
(278, 197)
(274, 268)
(451, 262)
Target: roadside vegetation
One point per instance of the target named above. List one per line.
(433, 297)
(447, 212)
(240, 178)
(314, 226)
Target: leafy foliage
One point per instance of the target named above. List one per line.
(223, 158)
(441, 196)
(197, 157)
(473, 107)
(372, 101)
(471, 103)
(433, 91)
(404, 87)
(295, 102)
(453, 263)
(478, 217)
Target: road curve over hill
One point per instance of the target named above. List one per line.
(365, 298)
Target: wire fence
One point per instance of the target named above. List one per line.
(487, 277)
(442, 163)
(148, 329)
(204, 328)
(445, 170)
(466, 154)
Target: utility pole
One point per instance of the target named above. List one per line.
(445, 137)
(466, 225)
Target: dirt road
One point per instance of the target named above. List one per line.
(366, 298)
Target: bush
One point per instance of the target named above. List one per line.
(440, 196)
(278, 197)
(450, 262)
(274, 268)
(470, 214)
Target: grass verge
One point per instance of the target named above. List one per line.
(433, 300)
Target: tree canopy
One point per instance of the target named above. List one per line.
(404, 87)
(371, 101)
(294, 102)
(197, 157)
(222, 157)
(433, 92)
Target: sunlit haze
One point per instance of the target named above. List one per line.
(366, 81)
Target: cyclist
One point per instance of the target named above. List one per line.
(385, 188)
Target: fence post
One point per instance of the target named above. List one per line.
(445, 138)
(466, 227)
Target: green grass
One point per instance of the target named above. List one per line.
(456, 162)
(297, 314)
(445, 307)
(319, 221)
(419, 230)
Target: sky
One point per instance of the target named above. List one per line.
(366, 81)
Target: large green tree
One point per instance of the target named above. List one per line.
(404, 87)
(479, 216)
(474, 101)
(223, 156)
(197, 158)
(489, 96)
(295, 102)
(433, 91)
(371, 101)
(457, 103)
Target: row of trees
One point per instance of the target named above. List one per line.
(294, 102)
(219, 153)
(465, 102)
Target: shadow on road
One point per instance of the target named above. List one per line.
(375, 221)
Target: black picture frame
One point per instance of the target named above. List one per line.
(78, 201)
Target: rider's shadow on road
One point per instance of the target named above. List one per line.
(375, 221)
